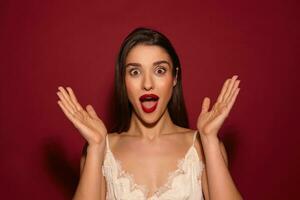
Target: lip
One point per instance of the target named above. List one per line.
(145, 96)
(153, 107)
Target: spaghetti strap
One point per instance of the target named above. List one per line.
(182, 183)
(107, 143)
(195, 134)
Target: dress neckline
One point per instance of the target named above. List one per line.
(143, 188)
(122, 173)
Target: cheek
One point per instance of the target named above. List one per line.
(131, 88)
(166, 86)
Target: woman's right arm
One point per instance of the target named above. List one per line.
(91, 183)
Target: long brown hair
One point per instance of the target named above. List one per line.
(123, 108)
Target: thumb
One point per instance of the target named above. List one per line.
(205, 105)
(91, 111)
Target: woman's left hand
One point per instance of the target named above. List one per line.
(209, 122)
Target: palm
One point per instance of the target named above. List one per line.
(209, 122)
(86, 121)
(89, 127)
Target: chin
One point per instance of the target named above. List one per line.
(150, 119)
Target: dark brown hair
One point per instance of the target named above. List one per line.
(123, 108)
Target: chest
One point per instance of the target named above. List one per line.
(154, 176)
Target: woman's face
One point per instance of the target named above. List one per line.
(149, 81)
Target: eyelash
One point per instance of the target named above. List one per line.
(161, 68)
(131, 71)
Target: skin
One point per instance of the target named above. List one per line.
(143, 76)
(160, 142)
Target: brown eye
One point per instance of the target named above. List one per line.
(134, 72)
(161, 70)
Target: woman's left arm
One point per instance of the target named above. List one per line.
(220, 182)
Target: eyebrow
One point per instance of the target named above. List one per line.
(155, 63)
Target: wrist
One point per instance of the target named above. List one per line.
(209, 139)
(96, 148)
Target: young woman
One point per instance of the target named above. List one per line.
(152, 153)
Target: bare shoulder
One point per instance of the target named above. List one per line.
(190, 134)
(113, 138)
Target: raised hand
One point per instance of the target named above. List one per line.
(86, 121)
(209, 122)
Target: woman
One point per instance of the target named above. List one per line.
(152, 154)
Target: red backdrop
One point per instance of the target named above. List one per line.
(45, 44)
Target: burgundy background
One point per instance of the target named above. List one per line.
(45, 44)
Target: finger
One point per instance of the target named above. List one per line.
(205, 105)
(233, 98)
(235, 86)
(225, 85)
(74, 99)
(65, 103)
(67, 98)
(66, 112)
(92, 112)
(229, 88)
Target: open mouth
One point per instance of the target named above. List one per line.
(149, 102)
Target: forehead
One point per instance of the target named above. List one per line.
(147, 54)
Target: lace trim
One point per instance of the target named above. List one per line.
(173, 174)
(143, 188)
(124, 174)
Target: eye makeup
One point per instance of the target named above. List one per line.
(160, 70)
(134, 71)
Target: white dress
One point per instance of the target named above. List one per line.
(184, 183)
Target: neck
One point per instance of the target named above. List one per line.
(163, 125)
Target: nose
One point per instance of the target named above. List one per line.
(147, 82)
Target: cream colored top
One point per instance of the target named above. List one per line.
(184, 183)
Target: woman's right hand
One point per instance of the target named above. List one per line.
(86, 121)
